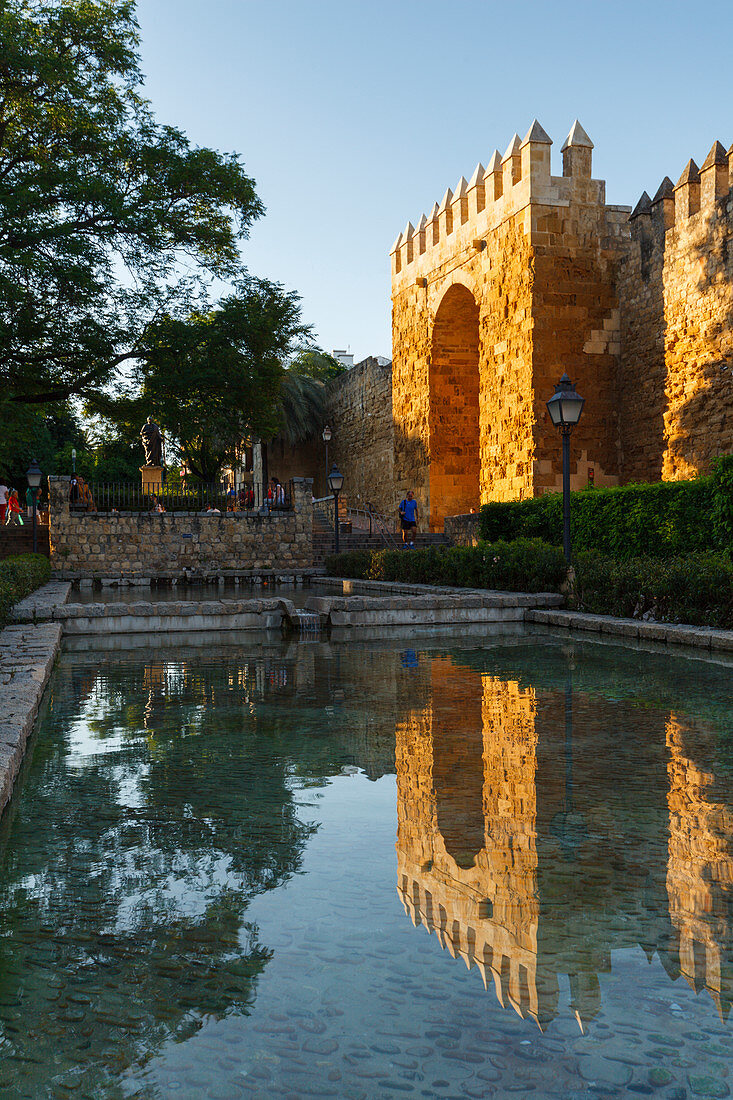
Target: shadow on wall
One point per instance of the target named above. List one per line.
(411, 471)
(698, 419)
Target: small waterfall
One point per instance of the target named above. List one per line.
(309, 622)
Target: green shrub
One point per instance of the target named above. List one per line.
(19, 576)
(695, 589)
(661, 519)
(525, 565)
(349, 563)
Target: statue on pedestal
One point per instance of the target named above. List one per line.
(152, 438)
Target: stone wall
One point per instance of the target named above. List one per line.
(362, 446)
(462, 530)
(676, 300)
(508, 283)
(142, 544)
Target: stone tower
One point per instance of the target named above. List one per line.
(508, 283)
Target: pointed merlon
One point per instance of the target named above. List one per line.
(513, 148)
(717, 155)
(477, 177)
(447, 199)
(664, 191)
(643, 206)
(434, 212)
(577, 136)
(691, 174)
(495, 163)
(409, 232)
(461, 188)
(422, 223)
(537, 134)
(396, 245)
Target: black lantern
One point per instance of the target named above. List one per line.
(326, 437)
(335, 484)
(33, 477)
(565, 407)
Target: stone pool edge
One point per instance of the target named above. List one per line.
(27, 655)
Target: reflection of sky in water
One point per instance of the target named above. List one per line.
(202, 894)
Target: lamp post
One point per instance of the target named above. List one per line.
(326, 437)
(33, 476)
(73, 460)
(335, 484)
(565, 407)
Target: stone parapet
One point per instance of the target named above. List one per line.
(462, 530)
(144, 544)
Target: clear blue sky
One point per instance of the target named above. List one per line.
(354, 117)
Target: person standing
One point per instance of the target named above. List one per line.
(3, 502)
(12, 512)
(408, 519)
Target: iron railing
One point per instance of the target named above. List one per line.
(377, 523)
(120, 496)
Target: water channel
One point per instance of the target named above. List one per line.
(468, 869)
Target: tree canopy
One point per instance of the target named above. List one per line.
(108, 220)
(214, 379)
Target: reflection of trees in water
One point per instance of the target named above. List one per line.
(127, 873)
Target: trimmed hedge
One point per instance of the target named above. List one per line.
(19, 576)
(525, 565)
(662, 519)
(696, 589)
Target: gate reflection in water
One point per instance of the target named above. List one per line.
(198, 875)
(531, 853)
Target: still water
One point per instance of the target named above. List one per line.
(491, 869)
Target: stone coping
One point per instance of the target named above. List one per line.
(203, 574)
(27, 655)
(487, 597)
(42, 603)
(701, 637)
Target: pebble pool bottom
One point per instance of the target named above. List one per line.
(488, 868)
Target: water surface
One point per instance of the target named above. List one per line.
(372, 871)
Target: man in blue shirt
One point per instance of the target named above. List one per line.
(408, 519)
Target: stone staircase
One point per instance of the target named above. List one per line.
(357, 539)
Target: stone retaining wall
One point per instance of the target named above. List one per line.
(462, 530)
(143, 544)
(27, 654)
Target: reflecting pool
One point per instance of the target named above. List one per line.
(470, 869)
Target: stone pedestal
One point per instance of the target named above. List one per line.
(152, 478)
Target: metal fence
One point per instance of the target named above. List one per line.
(120, 496)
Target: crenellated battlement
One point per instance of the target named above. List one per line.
(697, 191)
(509, 187)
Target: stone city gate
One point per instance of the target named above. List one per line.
(507, 284)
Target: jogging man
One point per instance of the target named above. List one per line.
(408, 519)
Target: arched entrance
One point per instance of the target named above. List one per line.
(458, 760)
(454, 412)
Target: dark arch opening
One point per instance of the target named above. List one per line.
(458, 761)
(454, 407)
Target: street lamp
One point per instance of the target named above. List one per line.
(326, 437)
(73, 460)
(335, 484)
(33, 476)
(565, 407)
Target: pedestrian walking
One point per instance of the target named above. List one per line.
(408, 519)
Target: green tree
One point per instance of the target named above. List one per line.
(314, 363)
(214, 379)
(101, 207)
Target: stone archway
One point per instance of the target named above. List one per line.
(454, 407)
(458, 760)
